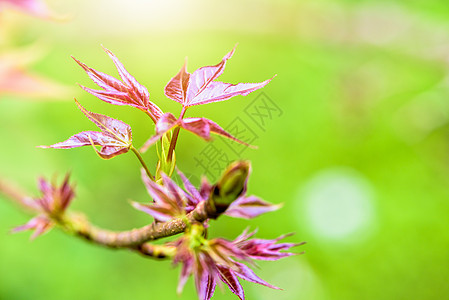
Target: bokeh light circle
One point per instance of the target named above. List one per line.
(337, 204)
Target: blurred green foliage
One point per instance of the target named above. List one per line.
(362, 86)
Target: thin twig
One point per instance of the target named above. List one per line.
(142, 162)
(134, 239)
(175, 136)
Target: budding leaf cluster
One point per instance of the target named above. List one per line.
(175, 209)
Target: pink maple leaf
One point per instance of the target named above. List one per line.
(115, 137)
(200, 88)
(125, 92)
(170, 201)
(262, 249)
(246, 207)
(202, 127)
(218, 259)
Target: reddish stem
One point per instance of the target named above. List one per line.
(151, 116)
(175, 136)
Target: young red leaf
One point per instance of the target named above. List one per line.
(200, 126)
(125, 92)
(186, 270)
(218, 259)
(40, 224)
(176, 88)
(200, 88)
(169, 199)
(250, 207)
(262, 249)
(204, 127)
(247, 274)
(228, 277)
(220, 91)
(195, 196)
(204, 76)
(204, 276)
(53, 203)
(115, 137)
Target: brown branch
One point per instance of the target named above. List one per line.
(78, 225)
(134, 239)
(138, 236)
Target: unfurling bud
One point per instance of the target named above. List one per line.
(230, 186)
(165, 164)
(51, 206)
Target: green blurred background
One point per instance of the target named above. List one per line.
(359, 155)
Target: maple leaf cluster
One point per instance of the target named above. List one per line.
(188, 89)
(218, 259)
(171, 201)
(209, 260)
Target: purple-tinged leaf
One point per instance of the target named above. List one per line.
(175, 192)
(210, 288)
(222, 250)
(161, 214)
(200, 126)
(220, 91)
(201, 78)
(103, 80)
(262, 249)
(32, 204)
(227, 276)
(204, 278)
(176, 88)
(244, 236)
(200, 88)
(39, 224)
(196, 196)
(136, 89)
(52, 204)
(204, 127)
(247, 274)
(82, 139)
(212, 261)
(115, 128)
(54, 199)
(65, 193)
(185, 273)
(47, 201)
(250, 207)
(115, 137)
(205, 188)
(169, 200)
(112, 97)
(129, 92)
